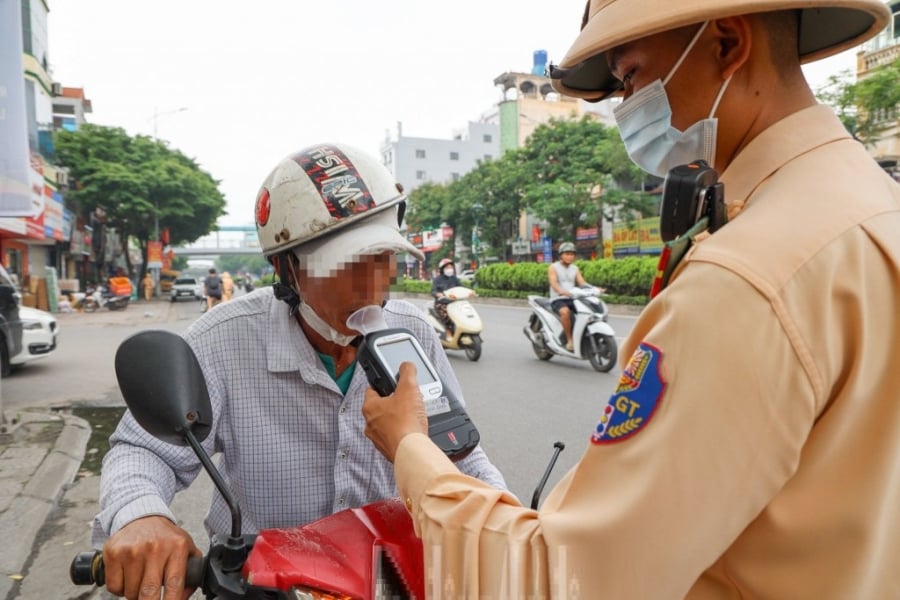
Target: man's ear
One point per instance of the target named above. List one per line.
(734, 36)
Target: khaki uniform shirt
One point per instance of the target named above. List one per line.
(752, 449)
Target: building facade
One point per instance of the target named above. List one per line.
(417, 160)
(879, 52)
(36, 228)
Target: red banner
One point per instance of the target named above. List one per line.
(154, 254)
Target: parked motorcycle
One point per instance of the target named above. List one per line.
(466, 330)
(368, 552)
(592, 336)
(101, 297)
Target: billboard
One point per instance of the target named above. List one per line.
(15, 177)
(637, 237)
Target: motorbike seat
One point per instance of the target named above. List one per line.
(545, 303)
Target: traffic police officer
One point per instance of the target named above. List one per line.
(752, 446)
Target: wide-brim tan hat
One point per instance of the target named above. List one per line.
(826, 28)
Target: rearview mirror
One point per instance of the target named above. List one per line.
(163, 386)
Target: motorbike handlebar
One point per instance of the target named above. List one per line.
(87, 569)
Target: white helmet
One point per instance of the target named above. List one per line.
(324, 189)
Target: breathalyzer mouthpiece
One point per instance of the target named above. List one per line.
(367, 319)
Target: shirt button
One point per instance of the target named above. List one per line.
(342, 455)
(341, 501)
(342, 409)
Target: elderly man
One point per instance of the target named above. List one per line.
(752, 447)
(280, 366)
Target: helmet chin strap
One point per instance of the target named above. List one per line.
(287, 294)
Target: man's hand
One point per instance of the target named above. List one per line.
(390, 419)
(147, 555)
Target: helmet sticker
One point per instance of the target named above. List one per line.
(339, 183)
(263, 207)
(636, 398)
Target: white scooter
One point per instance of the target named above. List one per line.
(467, 326)
(592, 337)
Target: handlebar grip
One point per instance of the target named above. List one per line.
(87, 569)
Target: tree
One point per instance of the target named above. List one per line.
(582, 174)
(140, 184)
(867, 106)
(242, 264)
(571, 173)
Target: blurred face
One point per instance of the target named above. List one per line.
(567, 258)
(358, 284)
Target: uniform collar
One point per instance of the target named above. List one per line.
(782, 142)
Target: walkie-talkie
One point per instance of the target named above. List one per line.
(691, 192)
(693, 202)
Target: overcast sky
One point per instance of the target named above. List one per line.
(262, 79)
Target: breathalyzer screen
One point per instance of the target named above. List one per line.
(403, 351)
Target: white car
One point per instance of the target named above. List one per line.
(187, 287)
(39, 334)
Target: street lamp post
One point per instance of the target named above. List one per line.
(476, 211)
(156, 115)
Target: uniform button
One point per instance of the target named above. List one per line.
(408, 504)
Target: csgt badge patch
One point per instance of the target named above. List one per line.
(635, 400)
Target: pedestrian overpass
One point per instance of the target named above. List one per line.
(226, 240)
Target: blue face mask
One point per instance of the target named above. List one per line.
(645, 124)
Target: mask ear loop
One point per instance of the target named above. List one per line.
(715, 105)
(685, 53)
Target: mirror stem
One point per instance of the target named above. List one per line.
(220, 485)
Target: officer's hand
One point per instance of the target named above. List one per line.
(147, 555)
(390, 419)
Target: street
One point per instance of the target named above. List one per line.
(521, 406)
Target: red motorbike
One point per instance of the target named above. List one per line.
(360, 553)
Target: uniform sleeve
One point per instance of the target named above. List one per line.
(651, 504)
(477, 464)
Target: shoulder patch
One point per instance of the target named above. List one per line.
(635, 400)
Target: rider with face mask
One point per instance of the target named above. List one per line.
(287, 399)
(443, 281)
(751, 448)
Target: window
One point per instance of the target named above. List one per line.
(488, 157)
(454, 156)
(487, 138)
(420, 175)
(420, 154)
(454, 176)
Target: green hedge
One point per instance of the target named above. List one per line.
(626, 280)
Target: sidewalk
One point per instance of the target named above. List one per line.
(39, 456)
(41, 451)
